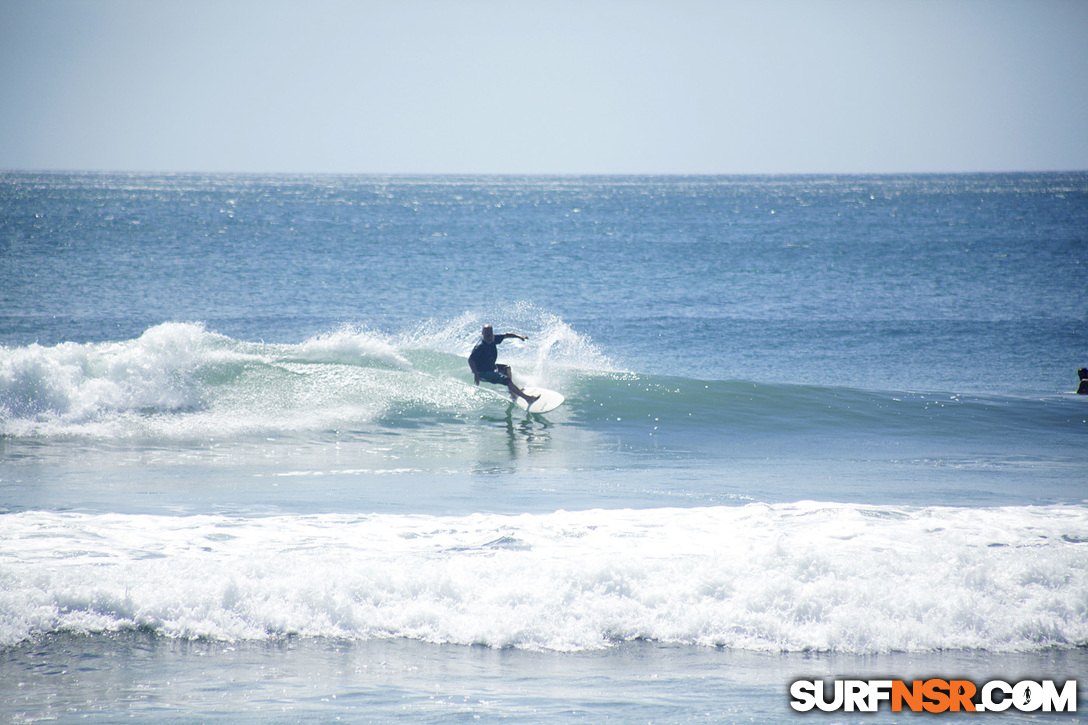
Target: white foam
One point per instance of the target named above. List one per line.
(803, 576)
(71, 384)
(179, 381)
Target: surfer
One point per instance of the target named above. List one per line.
(1083, 389)
(482, 363)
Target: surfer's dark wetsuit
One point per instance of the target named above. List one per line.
(483, 358)
(482, 361)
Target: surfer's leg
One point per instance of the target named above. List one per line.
(515, 391)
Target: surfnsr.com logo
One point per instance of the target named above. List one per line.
(933, 695)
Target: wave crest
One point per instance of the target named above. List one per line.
(73, 383)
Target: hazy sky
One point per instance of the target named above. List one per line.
(590, 86)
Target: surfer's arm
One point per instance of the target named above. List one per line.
(503, 336)
(475, 372)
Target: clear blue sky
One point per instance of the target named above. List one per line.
(587, 86)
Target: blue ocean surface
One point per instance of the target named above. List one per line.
(814, 426)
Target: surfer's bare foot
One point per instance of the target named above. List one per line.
(530, 399)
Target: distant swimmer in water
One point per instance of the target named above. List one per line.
(482, 363)
(1083, 389)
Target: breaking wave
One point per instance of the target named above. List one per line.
(787, 577)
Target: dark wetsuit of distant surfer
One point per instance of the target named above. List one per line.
(1083, 389)
(482, 362)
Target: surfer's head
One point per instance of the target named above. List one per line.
(1083, 373)
(488, 333)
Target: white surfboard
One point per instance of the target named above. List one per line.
(548, 400)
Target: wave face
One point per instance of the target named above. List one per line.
(788, 577)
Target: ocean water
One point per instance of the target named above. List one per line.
(815, 427)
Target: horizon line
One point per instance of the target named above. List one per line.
(541, 174)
